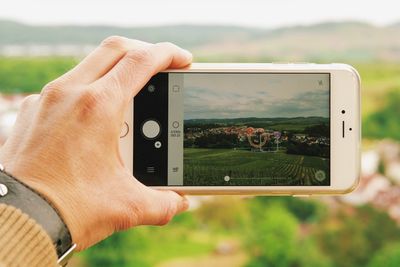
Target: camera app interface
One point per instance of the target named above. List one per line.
(249, 129)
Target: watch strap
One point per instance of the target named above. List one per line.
(15, 193)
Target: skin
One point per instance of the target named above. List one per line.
(65, 143)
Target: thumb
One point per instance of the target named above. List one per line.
(161, 206)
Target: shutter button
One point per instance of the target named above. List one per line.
(151, 129)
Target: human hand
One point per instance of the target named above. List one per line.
(65, 143)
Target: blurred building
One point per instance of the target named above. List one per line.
(380, 179)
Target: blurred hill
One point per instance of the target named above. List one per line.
(333, 41)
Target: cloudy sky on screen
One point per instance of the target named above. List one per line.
(217, 96)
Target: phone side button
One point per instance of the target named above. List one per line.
(124, 130)
(300, 195)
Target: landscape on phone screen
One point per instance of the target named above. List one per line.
(256, 129)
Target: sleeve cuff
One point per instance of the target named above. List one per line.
(23, 242)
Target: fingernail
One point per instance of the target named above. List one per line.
(185, 204)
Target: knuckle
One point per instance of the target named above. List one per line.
(167, 45)
(52, 92)
(114, 42)
(140, 56)
(53, 85)
(168, 215)
(29, 100)
(87, 104)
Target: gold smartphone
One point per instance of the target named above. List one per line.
(270, 129)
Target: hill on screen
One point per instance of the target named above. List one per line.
(294, 123)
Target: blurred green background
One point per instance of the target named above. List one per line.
(361, 229)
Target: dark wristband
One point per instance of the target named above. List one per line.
(17, 194)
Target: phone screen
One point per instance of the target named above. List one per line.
(247, 129)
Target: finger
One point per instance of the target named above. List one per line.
(102, 59)
(136, 68)
(25, 117)
(162, 206)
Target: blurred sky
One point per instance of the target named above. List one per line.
(259, 13)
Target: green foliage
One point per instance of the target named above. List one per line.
(389, 256)
(29, 75)
(302, 148)
(377, 79)
(148, 246)
(272, 235)
(318, 130)
(345, 243)
(121, 249)
(224, 214)
(308, 254)
(186, 219)
(385, 123)
(380, 229)
(306, 211)
(351, 236)
(275, 223)
(217, 141)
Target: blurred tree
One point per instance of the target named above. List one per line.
(29, 75)
(385, 123)
(186, 219)
(318, 130)
(119, 250)
(217, 140)
(223, 213)
(342, 238)
(305, 210)
(308, 254)
(272, 235)
(350, 236)
(380, 228)
(389, 256)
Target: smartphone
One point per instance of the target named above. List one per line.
(271, 129)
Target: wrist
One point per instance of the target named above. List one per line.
(35, 205)
(70, 190)
(41, 180)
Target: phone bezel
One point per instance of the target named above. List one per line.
(345, 152)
